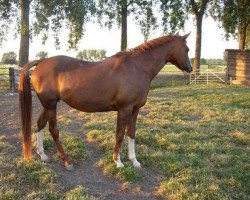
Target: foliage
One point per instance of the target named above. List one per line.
(234, 16)
(8, 10)
(9, 58)
(50, 15)
(41, 55)
(92, 54)
(109, 12)
(59, 13)
(175, 13)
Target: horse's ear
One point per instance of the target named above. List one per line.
(185, 36)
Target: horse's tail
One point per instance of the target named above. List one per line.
(25, 103)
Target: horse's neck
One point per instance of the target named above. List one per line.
(153, 61)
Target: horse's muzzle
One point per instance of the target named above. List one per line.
(189, 69)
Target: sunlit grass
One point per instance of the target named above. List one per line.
(33, 179)
(197, 136)
(22, 179)
(80, 193)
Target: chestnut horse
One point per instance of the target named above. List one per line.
(118, 83)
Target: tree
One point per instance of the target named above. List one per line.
(9, 58)
(48, 15)
(234, 16)
(112, 12)
(24, 32)
(248, 37)
(175, 12)
(41, 55)
(7, 10)
(91, 54)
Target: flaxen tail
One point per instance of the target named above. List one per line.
(25, 103)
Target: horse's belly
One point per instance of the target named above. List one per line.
(91, 106)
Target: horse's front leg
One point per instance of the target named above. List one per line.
(131, 138)
(123, 118)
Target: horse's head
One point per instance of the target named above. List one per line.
(179, 54)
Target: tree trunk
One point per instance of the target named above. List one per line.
(196, 64)
(24, 33)
(124, 14)
(242, 37)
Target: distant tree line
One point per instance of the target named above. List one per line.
(91, 54)
(9, 58)
(87, 54)
(211, 61)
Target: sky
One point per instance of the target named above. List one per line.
(213, 40)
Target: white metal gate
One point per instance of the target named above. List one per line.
(208, 76)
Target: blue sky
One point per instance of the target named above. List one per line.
(213, 40)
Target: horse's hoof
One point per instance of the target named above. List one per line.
(44, 158)
(119, 164)
(137, 165)
(70, 167)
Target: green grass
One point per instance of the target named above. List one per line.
(34, 179)
(197, 136)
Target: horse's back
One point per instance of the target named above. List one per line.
(46, 76)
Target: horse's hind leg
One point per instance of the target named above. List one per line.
(41, 123)
(51, 114)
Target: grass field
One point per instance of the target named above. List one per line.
(197, 137)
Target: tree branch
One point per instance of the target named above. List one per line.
(203, 6)
(194, 7)
(130, 3)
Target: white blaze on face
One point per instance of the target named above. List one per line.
(40, 149)
(131, 153)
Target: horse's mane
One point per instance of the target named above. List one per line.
(157, 42)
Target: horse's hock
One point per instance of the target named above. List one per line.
(238, 66)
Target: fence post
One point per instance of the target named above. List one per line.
(12, 79)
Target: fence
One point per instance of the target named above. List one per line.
(9, 78)
(207, 76)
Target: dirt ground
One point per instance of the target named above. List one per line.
(85, 173)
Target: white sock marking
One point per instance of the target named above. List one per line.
(118, 162)
(131, 153)
(40, 149)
